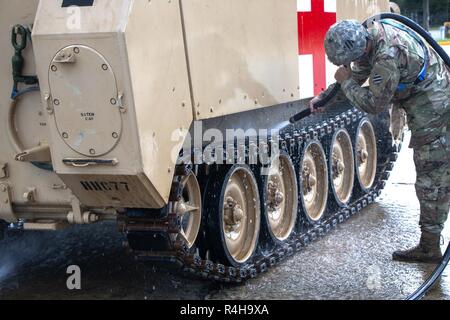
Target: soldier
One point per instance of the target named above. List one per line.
(401, 69)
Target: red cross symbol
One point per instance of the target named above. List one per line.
(312, 28)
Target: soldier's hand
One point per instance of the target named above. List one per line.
(343, 74)
(312, 103)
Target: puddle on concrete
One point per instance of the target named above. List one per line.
(353, 262)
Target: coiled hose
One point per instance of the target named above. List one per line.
(430, 282)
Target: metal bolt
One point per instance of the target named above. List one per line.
(104, 66)
(65, 135)
(56, 102)
(92, 151)
(113, 101)
(115, 135)
(54, 68)
(76, 50)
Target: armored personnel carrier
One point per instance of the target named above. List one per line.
(169, 117)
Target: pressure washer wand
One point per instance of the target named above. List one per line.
(306, 113)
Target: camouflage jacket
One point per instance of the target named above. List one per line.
(396, 57)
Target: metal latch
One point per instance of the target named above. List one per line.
(120, 100)
(64, 57)
(82, 163)
(40, 153)
(49, 106)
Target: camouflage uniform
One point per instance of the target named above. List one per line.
(396, 57)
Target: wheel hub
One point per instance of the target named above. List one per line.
(314, 180)
(281, 198)
(275, 195)
(338, 167)
(366, 155)
(309, 181)
(241, 214)
(233, 215)
(189, 209)
(342, 167)
(363, 155)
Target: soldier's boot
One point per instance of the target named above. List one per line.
(428, 250)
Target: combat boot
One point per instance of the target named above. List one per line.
(428, 250)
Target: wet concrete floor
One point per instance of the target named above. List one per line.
(353, 262)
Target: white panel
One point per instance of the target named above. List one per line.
(447, 49)
(330, 5)
(331, 71)
(304, 5)
(306, 76)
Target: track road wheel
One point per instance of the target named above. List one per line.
(313, 181)
(342, 167)
(189, 208)
(279, 194)
(234, 216)
(365, 155)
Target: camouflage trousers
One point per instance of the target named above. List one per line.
(433, 183)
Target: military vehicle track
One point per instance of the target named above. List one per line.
(159, 236)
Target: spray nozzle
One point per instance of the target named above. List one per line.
(306, 113)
